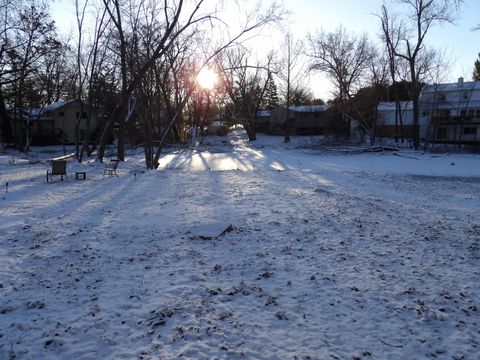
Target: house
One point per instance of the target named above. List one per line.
(453, 110)
(448, 113)
(388, 124)
(56, 123)
(307, 120)
(263, 120)
(217, 127)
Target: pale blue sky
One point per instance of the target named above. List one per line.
(459, 40)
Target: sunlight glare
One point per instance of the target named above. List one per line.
(207, 78)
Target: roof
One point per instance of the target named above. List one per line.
(58, 104)
(32, 111)
(310, 108)
(460, 85)
(26, 113)
(391, 105)
(264, 113)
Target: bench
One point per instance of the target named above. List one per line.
(80, 175)
(59, 168)
(111, 167)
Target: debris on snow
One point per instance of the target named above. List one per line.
(211, 231)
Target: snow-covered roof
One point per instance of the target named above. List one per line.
(264, 113)
(27, 113)
(458, 86)
(32, 111)
(56, 105)
(310, 108)
(391, 105)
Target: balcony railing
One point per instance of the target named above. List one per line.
(453, 119)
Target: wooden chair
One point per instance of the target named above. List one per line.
(111, 167)
(59, 168)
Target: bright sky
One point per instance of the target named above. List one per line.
(357, 16)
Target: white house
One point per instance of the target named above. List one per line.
(449, 113)
(453, 110)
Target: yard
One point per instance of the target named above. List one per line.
(334, 254)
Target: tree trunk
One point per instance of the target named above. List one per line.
(252, 135)
(121, 140)
(415, 104)
(5, 128)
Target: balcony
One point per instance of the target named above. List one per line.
(446, 119)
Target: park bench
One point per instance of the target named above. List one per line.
(59, 168)
(111, 167)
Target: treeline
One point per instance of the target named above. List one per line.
(138, 59)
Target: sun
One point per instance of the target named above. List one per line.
(207, 78)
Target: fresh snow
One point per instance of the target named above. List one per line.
(333, 254)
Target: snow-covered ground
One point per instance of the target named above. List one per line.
(333, 255)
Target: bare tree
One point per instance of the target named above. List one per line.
(245, 83)
(391, 37)
(420, 16)
(29, 40)
(90, 59)
(292, 70)
(176, 21)
(346, 60)
(7, 9)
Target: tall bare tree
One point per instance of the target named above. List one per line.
(90, 59)
(31, 37)
(291, 72)
(391, 37)
(343, 57)
(346, 60)
(245, 82)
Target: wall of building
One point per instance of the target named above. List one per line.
(449, 113)
(66, 117)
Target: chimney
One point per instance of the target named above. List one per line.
(460, 82)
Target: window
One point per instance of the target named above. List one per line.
(442, 133)
(471, 113)
(471, 130)
(441, 97)
(466, 95)
(84, 115)
(44, 127)
(443, 113)
(463, 112)
(477, 113)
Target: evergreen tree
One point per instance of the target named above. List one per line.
(476, 69)
(270, 100)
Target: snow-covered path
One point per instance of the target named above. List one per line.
(332, 256)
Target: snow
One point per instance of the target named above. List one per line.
(392, 105)
(334, 253)
(310, 108)
(459, 85)
(57, 104)
(264, 113)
